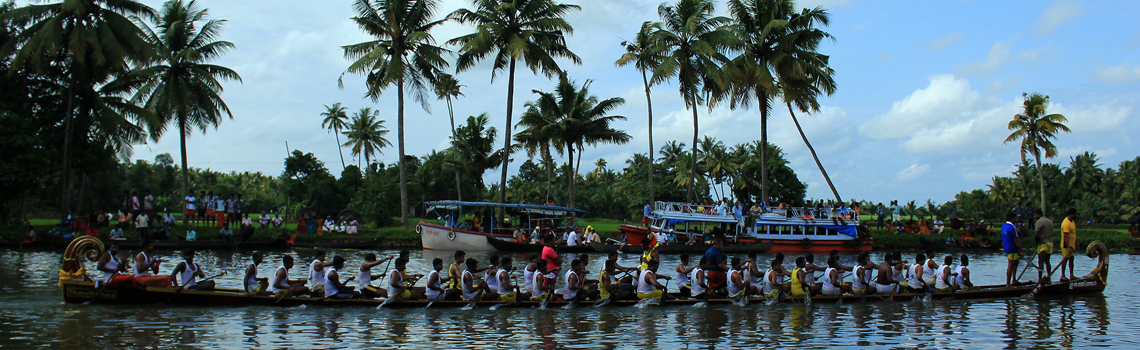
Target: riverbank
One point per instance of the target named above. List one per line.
(1117, 240)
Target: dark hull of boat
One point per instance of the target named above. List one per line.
(509, 246)
(77, 292)
(762, 247)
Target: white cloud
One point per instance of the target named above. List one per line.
(1061, 13)
(945, 97)
(993, 62)
(1003, 84)
(1122, 74)
(943, 42)
(1096, 117)
(913, 172)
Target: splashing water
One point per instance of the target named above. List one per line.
(701, 305)
(644, 303)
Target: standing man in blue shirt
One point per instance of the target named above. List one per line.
(645, 214)
(1011, 246)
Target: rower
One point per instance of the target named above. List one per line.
(434, 288)
(648, 252)
(962, 274)
(467, 283)
(700, 287)
(900, 269)
(613, 256)
(281, 282)
(781, 272)
(146, 265)
(737, 286)
(915, 283)
(943, 277)
(188, 272)
(542, 289)
(366, 276)
(490, 278)
(752, 274)
(810, 268)
(647, 285)
(832, 285)
(407, 255)
(772, 287)
(317, 273)
(683, 282)
(507, 290)
(399, 285)
(835, 254)
(608, 287)
(110, 264)
(861, 277)
(334, 288)
(528, 273)
(929, 268)
(715, 272)
(575, 289)
(799, 282)
(253, 284)
(454, 271)
(886, 283)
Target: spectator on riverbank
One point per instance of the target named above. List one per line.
(939, 226)
(263, 220)
(135, 206)
(353, 227)
(277, 220)
(881, 211)
(117, 232)
(142, 224)
(148, 204)
(896, 211)
(31, 236)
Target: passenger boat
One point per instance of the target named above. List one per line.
(740, 248)
(449, 234)
(512, 246)
(787, 229)
(76, 287)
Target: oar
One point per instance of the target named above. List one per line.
(893, 291)
(440, 297)
(105, 284)
(381, 279)
(1028, 263)
(215, 276)
(666, 291)
(475, 300)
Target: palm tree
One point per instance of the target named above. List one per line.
(445, 89)
(366, 135)
(804, 73)
(473, 150)
(335, 120)
(1036, 130)
(693, 39)
(540, 134)
(671, 151)
(580, 120)
(180, 86)
(1085, 175)
(645, 55)
(91, 39)
(403, 54)
(512, 30)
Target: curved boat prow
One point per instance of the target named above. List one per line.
(79, 248)
(1093, 283)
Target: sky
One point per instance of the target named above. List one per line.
(925, 90)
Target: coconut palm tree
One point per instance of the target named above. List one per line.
(445, 89)
(365, 135)
(539, 135)
(693, 40)
(513, 30)
(671, 151)
(336, 119)
(180, 85)
(403, 54)
(92, 40)
(645, 55)
(804, 73)
(473, 150)
(581, 120)
(1036, 130)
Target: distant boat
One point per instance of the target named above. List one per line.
(449, 234)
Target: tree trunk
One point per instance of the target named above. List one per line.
(400, 136)
(813, 155)
(79, 207)
(762, 97)
(65, 176)
(549, 172)
(451, 113)
(570, 173)
(338, 148)
(693, 168)
(574, 178)
(507, 133)
(185, 168)
(649, 107)
(1041, 179)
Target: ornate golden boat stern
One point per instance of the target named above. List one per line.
(81, 247)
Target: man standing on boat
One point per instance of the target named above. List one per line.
(1044, 238)
(645, 212)
(1068, 242)
(1011, 246)
(716, 271)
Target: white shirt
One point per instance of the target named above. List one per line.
(643, 286)
(316, 277)
(190, 202)
(573, 239)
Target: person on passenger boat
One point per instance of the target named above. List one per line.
(366, 277)
(647, 285)
(433, 289)
(111, 265)
(253, 285)
(400, 285)
(738, 286)
(189, 271)
(334, 288)
(282, 285)
(833, 279)
(943, 279)
(915, 283)
(962, 274)
(317, 273)
(683, 270)
(800, 286)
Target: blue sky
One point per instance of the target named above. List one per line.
(925, 90)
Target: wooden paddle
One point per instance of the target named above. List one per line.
(381, 279)
(100, 290)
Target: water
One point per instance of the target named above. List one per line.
(33, 315)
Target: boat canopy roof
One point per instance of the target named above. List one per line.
(534, 209)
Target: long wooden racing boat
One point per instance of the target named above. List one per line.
(743, 248)
(77, 287)
(512, 246)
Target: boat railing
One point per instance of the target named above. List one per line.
(688, 208)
